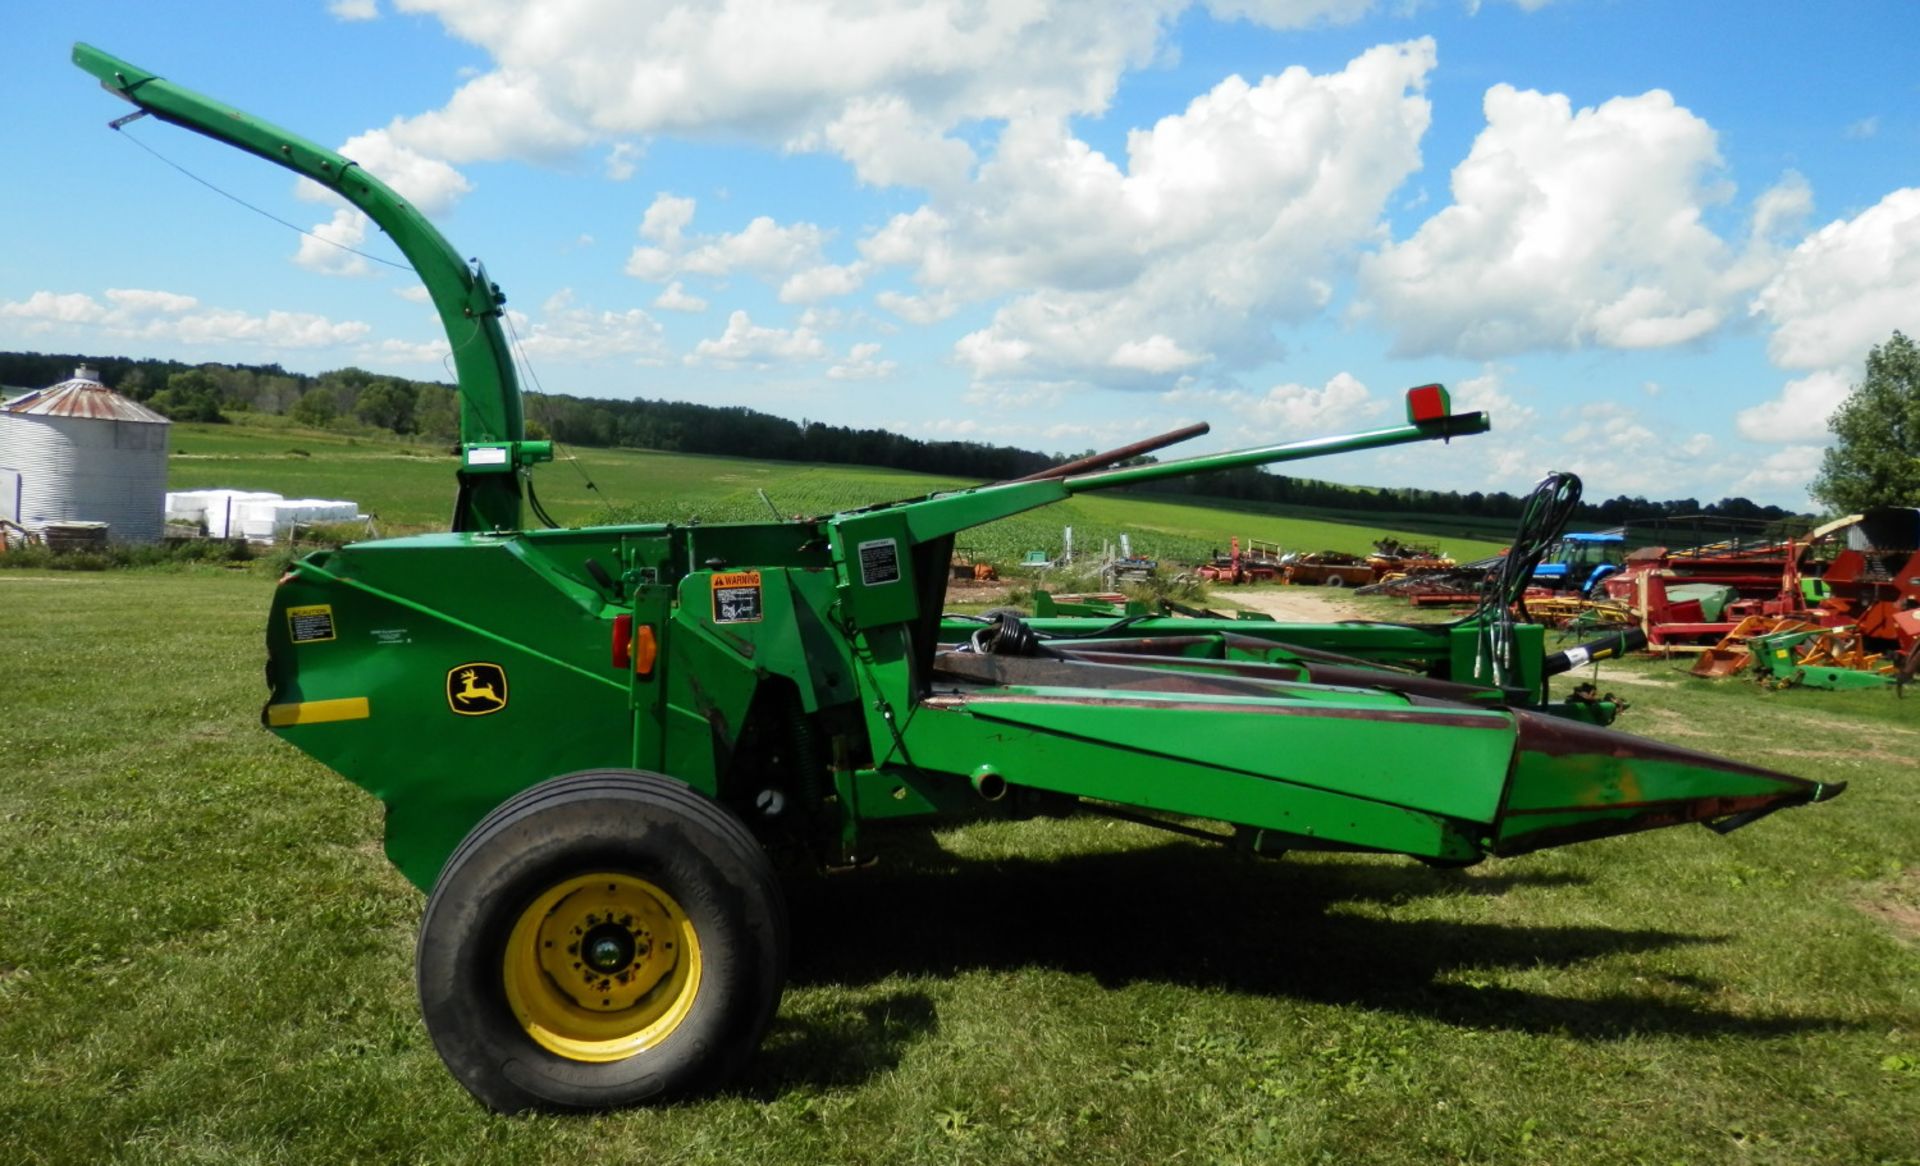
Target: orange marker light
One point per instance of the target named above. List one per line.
(645, 650)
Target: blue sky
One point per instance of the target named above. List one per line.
(1654, 240)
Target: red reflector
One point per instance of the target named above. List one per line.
(623, 641)
(1428, 403)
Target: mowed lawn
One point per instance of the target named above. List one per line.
(205, 958)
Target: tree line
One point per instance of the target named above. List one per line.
(356, 398)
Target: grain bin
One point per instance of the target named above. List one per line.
(80, 452)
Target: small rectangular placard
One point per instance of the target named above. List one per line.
(736, 597)
(879, 561)
(310, 625)
(487, 455)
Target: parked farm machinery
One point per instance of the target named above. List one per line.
(589, 741)
(1326, 569)
(1847, 619)
(1257, 562)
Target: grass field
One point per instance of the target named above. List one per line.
(410, 486)
(204, 958)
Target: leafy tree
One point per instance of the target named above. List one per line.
(315, 408)
(436, 413)
(349, 377)
(193, 395)
(388, 404)
(275, 393)
(1876, 461)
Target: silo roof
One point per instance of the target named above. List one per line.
(82, 397)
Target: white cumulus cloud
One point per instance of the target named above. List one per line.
(330, 247)
(889, 145)
(1155, 354)
(1290, 13)
(565, 332)
(763, 247)
(1847, 287)
(429, 183)
(506, 113)
(754, 69)
(918, 309)
(1800, 412)
(861, 364)
(145, 300)
(1286, 412)
(823, 282)
(1229, 216)
(412, 351)
(746, 343)
(678, 299)
(44, 310)
(1784, 472)
(168, 317)
(1568, 228)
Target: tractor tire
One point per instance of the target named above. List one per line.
(601, 940)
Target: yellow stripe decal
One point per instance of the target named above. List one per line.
(318, 712)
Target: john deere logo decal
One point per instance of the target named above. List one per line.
(474, 690)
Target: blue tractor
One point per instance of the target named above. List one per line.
(1578, 562)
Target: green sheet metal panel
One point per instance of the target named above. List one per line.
(1573, 781)
(874, 552)
(1112, 753)
(1364, 748)
(378, 688)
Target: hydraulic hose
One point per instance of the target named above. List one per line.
(1604, 648)
(1543, 517)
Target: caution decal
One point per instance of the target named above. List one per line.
(736, 597)
(310, 625)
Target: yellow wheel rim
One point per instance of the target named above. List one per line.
(602, 966)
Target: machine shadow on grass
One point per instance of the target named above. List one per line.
(841, 1043)
(1187, 915)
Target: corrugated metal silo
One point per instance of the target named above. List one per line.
(80, 452)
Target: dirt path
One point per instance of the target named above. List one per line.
(1296, 604)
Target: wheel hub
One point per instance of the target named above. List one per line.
(601, 966)
(608, 948)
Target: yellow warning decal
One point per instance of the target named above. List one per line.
(318, 712)
(736, 597)
(310, 625)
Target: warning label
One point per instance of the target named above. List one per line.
(879, 561)
(310, 625)
(736, 597)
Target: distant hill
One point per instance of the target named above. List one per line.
(353, 398)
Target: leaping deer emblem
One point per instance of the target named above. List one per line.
(472, 696)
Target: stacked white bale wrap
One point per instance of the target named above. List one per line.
(270, 520)
(187, 506)
(217, 511)
(256, 515)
